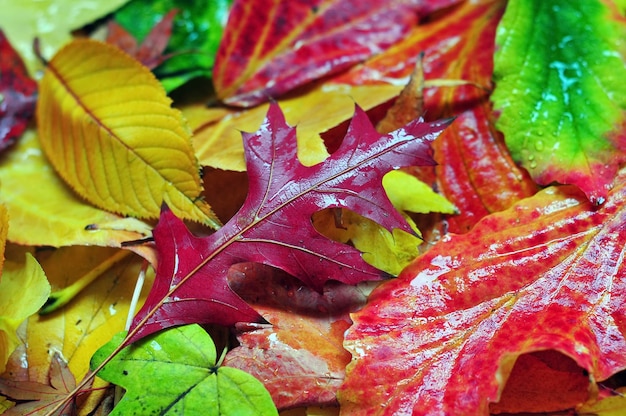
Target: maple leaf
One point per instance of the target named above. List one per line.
(150, 52)
(546, 274)
(18, 94)
(274, 225)
(299, 358)
(559, 73)
(297, 42)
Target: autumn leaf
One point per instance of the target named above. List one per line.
(299, 358)
(273, 227)
(23, 290)
(559, 74)
(443, 337)
(150, 52)
(17, 94)
(187, 355)
(196, 33)
(108, 129)
(52, 21)
(474, 169)
(51, 214)
(37, 398)
(294, 43)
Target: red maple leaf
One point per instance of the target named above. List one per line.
(274, 226)
(18, 93)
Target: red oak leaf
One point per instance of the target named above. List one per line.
(274, 227)
(272, 47)
(300, 357)
(442, 338)
(150, 52)
(17, 94)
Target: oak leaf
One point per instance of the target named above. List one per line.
(443, 337)
(274, 227)
(107, 127)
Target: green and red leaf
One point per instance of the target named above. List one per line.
(560, 91)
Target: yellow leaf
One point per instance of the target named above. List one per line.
(23, 290)
(4, 225)
(90, 319)
(107, 127)
(608, 406)
(219, 144)
(390, 252)
(50, 214)
(407, 193)
(52, 21)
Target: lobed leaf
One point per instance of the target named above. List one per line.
(274, 227)
(186, 355)
(108, 129)
(559, 73)
(443, 337)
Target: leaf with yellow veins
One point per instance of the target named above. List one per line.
(108, 129)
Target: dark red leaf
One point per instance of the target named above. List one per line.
(270, 47)
(17, 94)
(274, 226)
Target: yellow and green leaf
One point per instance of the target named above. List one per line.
(107, 127)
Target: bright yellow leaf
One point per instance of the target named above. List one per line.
(50, 214)
(23, 290)
(608, 406)
(107, 127)
(52, 21)
(407, 193)
(219, 144)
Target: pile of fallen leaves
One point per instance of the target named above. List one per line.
(326, 207)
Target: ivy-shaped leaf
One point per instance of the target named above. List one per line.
(176, 372)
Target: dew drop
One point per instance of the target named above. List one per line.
(531, 157)
(539, 145)
(533, 164)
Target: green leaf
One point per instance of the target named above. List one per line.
(196, 34)
(559, 73)
(175, 372)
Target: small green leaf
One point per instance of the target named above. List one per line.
(196, 34)
(175, 372)
(559, 73)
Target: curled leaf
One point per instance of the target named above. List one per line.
(106, 125)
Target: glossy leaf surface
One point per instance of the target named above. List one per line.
(17, 94)
(559, 74)
(271, 47)
(299, 357)
(274, 226)
(463, 311)
(186, 355)
(106, 125)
